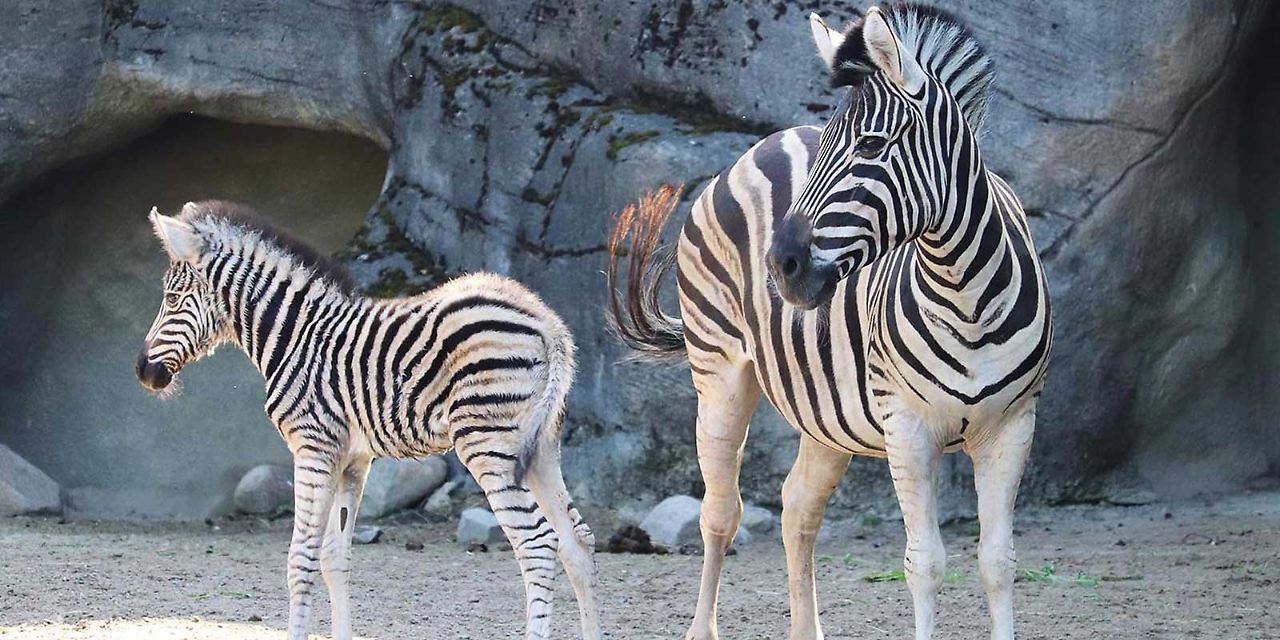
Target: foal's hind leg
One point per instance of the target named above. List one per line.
(577, 544)
(727, 396)
(527, 528)
(335, 555)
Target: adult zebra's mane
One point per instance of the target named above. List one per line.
(943, 46)
(244, 220)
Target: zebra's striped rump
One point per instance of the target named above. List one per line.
(479, 364)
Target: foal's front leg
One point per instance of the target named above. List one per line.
(313, 487)
(335, 556)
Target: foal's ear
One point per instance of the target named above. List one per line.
(179, 238)
(827, 39)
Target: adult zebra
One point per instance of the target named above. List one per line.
(919, 317)
(479, 364)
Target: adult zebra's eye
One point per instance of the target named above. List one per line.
(869, 146)
(172, 299)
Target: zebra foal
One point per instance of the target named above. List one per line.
(479, 364)
(917, 317)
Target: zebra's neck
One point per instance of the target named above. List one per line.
(272, 305)
(964, 263)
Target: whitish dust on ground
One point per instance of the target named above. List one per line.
(1185, 570)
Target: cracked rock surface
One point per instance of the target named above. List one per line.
(1140, 139)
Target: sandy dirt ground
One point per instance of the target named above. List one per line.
(1183, 570)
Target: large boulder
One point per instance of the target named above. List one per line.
(266, 489)
(393, 485)
(24, 489)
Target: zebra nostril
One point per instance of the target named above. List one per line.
(790, 267)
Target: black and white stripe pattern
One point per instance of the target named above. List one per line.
(479, 364)
(919, 317)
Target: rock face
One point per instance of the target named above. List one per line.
(395, 484)
(266, 489)
(24, 489)
(1140, 139)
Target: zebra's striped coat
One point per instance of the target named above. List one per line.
(479, 364)
(919, 318)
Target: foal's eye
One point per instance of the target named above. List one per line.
(869, 146)
(172, 299)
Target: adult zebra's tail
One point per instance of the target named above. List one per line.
(637, 317)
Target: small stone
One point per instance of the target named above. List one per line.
(266, 489)
(25, 489)
(477, 547)
(366, 534)
(478, 525)
(759, 521)
(674, 524)
(395, 484)
(255, 618)
(413, 545)
(440, 505)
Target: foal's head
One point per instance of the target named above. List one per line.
(192, 321)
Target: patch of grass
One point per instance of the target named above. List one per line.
(872, 521)
(1048, 574)
(893, 575)
(618, 143)
(899, 575)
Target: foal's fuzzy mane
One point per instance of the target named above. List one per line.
(246, 220)
(942, 45)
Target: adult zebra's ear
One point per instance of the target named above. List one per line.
(885, 51)
(827, 39)
(179, 238)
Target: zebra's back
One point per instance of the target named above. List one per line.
(462, 365)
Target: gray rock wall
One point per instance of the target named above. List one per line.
(1139, 138)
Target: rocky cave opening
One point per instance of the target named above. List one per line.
(81, 272)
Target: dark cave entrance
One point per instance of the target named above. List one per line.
(81, 275)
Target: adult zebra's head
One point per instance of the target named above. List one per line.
(191, 321)
(893, 156)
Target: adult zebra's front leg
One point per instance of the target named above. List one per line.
(335, 555)
(914, 451)
(727, 396)
(998, 460)
(816, 474)
(314, 482)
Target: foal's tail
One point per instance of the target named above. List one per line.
(637, 318)
(542, 422)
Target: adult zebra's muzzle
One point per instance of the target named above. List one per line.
(799, 281)
(152, 375)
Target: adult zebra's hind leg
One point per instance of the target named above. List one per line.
(335, 555)
(527, 528)
(727, 396)
(814, 477)
(997, 470)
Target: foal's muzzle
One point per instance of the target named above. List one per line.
(153, 375)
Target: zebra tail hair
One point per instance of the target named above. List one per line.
(637, 317)
(542, 423)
